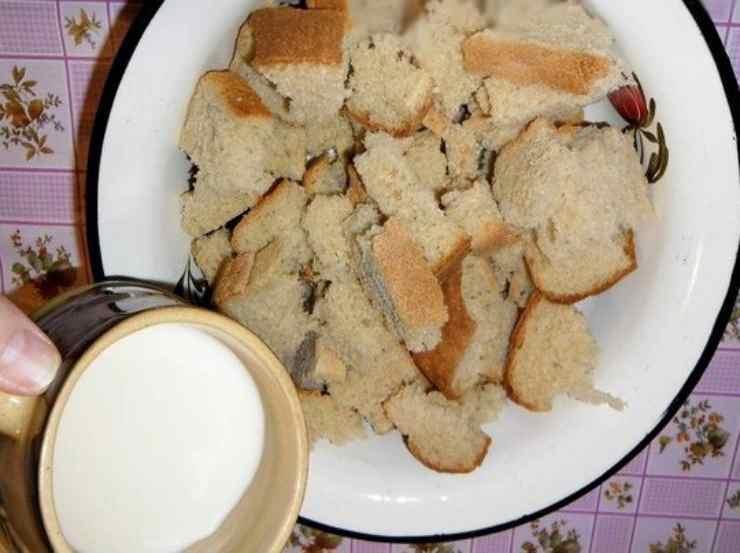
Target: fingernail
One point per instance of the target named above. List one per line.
(28, 363)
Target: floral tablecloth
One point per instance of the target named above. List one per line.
(682, 494)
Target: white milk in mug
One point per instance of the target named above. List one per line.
(157, 443)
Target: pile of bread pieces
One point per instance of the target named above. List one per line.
(401, 198)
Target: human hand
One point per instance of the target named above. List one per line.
(28, 359)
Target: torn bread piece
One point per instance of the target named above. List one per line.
(511, 272)
(402, 285)
(325, 175)
(333, 136)
(476, 212)
(327, 420)
(388, 92)
(277, 216)
(369, 17)
(428, 161)
(550, 182)
(548, 69)
(484, 403)
(464, 151)
(393, 185)
(378, 364)
(436, 40)
(552, 353)
(437, 431)
(440, 364)
(301, 52)
(475, 341)
(323, 223)
(254, 290)
(211, 251)
(205, 210)
(236, 143)
(317, 365)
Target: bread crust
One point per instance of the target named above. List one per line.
(515, 345)
(436, 122)
(408, 129)
(446, 266)
(289, 36)
(612, 280)
(238, 97)
(356, 188)
(259, 212)
(415, 292)
(440, 364)
(234, 278)
(456, 468)
(527, 63)
(340, 5)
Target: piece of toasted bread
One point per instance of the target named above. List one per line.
(205, 210)
(402, 285)
(302, 53)
(211, 251)
(581, 193)
(543, 68)
(254, 290)
(389, 93)
(326, 419)
(436, 39)
(552, 353)
(325, 175)
(231, 136)
(276, 216)
(438, 432)
(475, 341)
(440, 364)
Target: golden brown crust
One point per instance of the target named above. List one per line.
(452, 468)
(258, 212)
(449, 469)
(289, 36)
(526, 63)
(492, 237)
(234, 278)
(314, 173)
(436, 122)
(568, 299)
(408, 128)
(515, 345)
(356, 190)
(440, 364)
(416, 294)
(238, 96)
(340, 5)
(444, 268)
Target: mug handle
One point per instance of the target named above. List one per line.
(16, 413)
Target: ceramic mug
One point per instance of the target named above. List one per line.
(84, 323)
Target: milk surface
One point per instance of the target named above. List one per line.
(157, 443)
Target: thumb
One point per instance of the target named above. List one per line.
(28, 359)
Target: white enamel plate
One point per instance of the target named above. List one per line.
(657, 329)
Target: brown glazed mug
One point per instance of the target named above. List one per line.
(84, 323)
